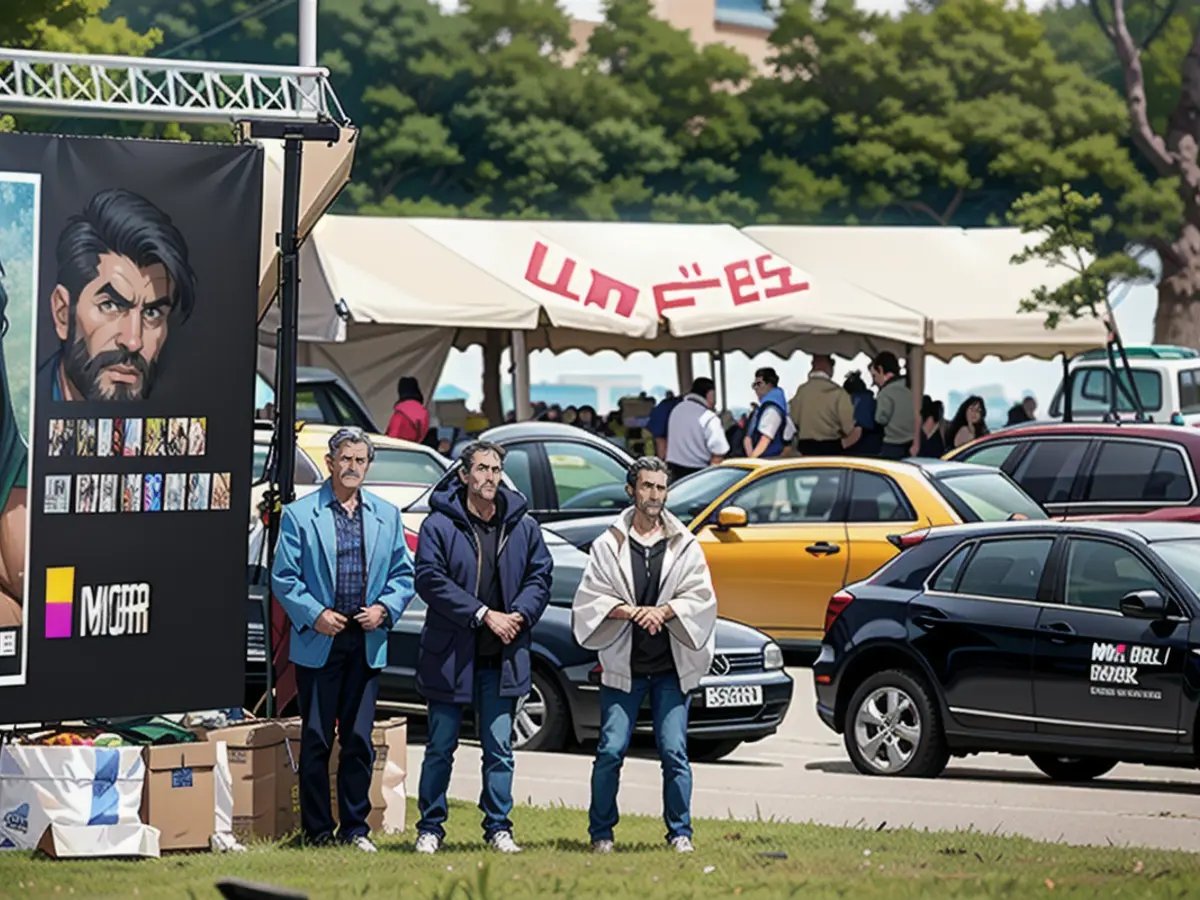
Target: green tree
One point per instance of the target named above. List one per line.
(1164, 33)
(67, 26)
(1074, 231)
(940, 117)
(1164, 213)
(494, 111)
(682, 140)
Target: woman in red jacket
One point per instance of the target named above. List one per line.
(410, 418)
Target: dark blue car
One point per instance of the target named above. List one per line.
(1074, 643)
(744, 698)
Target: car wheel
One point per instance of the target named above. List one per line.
(701, 750)
(541, 720)
(893, 727)
(1072, 768)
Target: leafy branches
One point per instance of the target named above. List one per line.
(1073, 229)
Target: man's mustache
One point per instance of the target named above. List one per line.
(85, 371)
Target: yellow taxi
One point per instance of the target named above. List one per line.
(782, 536)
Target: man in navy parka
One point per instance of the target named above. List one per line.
(484, 572)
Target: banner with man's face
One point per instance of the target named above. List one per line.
(128, 285)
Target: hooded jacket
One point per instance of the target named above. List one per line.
(686, 586)
(447, 575)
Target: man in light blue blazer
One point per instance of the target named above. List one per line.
(344, 575)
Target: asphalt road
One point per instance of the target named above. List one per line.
(803, 774)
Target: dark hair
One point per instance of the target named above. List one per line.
(960, 418)
(587, 408)
(854, 383)
(645, 464)
(930, 408)
(701, 386)
(407, 388)
(122, 222)
(886, 362)
(467, 457)
(769, 375)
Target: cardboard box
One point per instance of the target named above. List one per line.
(92, 841)
(263, 758)
(179, 798)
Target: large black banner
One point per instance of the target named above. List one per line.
(129, 283)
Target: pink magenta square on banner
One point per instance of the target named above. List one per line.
(58, 620)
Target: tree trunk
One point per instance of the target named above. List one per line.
(1177, 320)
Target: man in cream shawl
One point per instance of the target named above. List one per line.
(646, 604)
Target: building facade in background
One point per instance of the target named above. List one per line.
(741, 24)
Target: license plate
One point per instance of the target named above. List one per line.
(733, 695)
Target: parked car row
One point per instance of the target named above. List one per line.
(744, 697)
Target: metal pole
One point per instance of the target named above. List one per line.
(308, 32)
(308, 51)
(289, 316)
(520, 376)
(285, 378)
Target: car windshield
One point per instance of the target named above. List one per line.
(1184, 557)
(986, 497)
(395, 466)
(692, 495)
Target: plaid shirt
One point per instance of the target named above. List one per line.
(350, 593)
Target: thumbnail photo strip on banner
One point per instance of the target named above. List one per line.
(20, 205)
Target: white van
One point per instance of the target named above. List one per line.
(1167, 380)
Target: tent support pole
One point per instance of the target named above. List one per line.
(293, 135)
(493, 404)
(520, 376)
(915, 365)
(724, 372)
(683, 370)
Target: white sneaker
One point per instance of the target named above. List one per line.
(502, 842)
(682, 844)
(363, 843)
(428, 843)
(602, 846)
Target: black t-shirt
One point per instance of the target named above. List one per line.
(487, 536)
(651, 653)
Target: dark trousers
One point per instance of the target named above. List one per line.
(343, 690)
(676, 472)
(895, 451)
(810, 447)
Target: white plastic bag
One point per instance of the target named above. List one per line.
(66, 786)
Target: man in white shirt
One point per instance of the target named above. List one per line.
(770, 429)
(695, 436)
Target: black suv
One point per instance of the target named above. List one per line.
(1072, 642)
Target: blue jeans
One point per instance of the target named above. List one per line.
(618, 712)
(495, 733)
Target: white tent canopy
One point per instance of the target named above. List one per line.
(960, 281)
(587, 286)
(410, 289)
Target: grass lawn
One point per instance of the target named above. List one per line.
(733, 859)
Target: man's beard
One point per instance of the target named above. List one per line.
(652, 511)
(84, 371)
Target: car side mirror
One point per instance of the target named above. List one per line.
(1144, 605)
(731, 517)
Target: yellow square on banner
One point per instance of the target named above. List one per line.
(60, 585)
